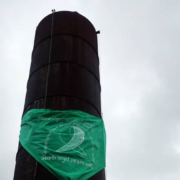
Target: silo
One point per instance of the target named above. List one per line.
(64, 75)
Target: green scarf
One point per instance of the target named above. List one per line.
(71, 144)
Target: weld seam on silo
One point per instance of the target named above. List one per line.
(63, 96)
(53, 62)
(66, 34)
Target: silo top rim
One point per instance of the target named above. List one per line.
(66, 22)
(68, 12)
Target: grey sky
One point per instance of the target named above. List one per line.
(139, 64)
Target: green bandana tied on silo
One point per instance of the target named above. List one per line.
(70, 144)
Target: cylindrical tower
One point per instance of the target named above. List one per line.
(66, 49)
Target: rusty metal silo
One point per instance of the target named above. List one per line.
(68, 53)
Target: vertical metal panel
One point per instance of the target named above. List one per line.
(74, 81)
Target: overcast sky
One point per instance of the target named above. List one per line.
(139, 49)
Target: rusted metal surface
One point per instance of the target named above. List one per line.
(70, 49)
(65, 79)
(74, 81)
(68, 23)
